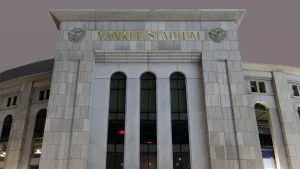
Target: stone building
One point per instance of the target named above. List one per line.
(149, 89)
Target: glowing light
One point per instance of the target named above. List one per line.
(121, 132)
(148, 142)
(149, 163)
(3, 154)
(179, 159)
(38, 151)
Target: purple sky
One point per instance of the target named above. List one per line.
(269, 33)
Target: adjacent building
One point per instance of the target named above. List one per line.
(149, 89)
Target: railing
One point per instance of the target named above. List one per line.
(37, 147)
(3, 149)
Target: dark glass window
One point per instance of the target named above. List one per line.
(42, 95)
(253, 86)
(34, 167)
(116, 124)
(295, 90)
(38, 133)
(264, 131)
(8, 102)
(47, 94)
(180, 131)
(298, 111)
(148, 133)
(5, 136)
(262, 87)
(15, 100)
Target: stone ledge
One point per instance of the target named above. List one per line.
(148, 15)
(148, 56)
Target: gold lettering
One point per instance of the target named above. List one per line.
(99, 35)
(107, 36)
(188, 35)
(193, 36)
(130, 36)
(165, 35)
(150, 34)
(178, 33)
(172, 38)
(138, 35)
(124, 36)
(115, 36)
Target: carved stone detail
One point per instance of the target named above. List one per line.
(217, 35)
(76, 34)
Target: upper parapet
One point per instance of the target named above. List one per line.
(149, 15)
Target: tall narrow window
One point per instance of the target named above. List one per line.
(15, 101)
(148, 134)
(38, 133)
(295, 90)
(5, 136)
(180, 132)
(116, 124)
(8, 102)
(265, 136)
(298, 109)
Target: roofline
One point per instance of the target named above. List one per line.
(148, 15)
(36, 68)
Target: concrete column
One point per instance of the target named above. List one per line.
(164, 126)
(288, 118)
(27, 151)
(231, 132)
(278, 142)
(132, 125)
(99, 124)
(197, 124)
(66, 136)
(19, 128)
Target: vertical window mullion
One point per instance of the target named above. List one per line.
(257, 84)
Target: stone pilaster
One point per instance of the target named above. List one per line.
(132, 125)
(164, 126)
(19, 128)
(68, 119)
(288, 118)
(232, 132)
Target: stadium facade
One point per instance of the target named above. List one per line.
(149, 89)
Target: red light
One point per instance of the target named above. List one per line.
(149, 142)
(121, 132)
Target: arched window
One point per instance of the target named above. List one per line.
(116, 124)
(38, 133)
(180, 131)
(5, 136)
(148, 134)
(265, 135)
